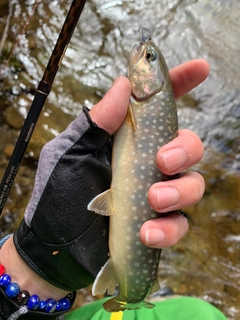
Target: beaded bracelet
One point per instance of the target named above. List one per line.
(32, 302)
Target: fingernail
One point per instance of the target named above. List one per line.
(154, 237)
(174, 159)
(166, 197)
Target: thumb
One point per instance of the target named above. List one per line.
(110, 112)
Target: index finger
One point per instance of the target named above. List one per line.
(188, 75)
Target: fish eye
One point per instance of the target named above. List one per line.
(151, 55)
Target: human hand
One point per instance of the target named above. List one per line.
(70, 243)
(176, 156)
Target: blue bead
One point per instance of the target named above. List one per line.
(33, 302)
(12, 290)
(65, 304)
(42, 304)
(50, 305)
(5, 279)
(58, 306)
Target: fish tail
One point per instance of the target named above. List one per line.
(113, 305)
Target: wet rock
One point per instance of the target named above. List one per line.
(13, 118)
(8, 150)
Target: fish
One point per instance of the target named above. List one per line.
(151, 122)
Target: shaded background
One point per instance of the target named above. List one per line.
(206, 263)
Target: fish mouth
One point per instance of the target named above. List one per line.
(135, 55)
(136, 52)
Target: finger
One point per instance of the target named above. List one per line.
(188, 75)
(110, 112)
(164, 232)
(175, 194)
(181, 153)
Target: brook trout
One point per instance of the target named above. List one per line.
(150, 123)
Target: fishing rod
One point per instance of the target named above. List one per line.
(42, 92)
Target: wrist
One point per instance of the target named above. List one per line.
(22, 274)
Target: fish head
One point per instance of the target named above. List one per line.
(147, 70)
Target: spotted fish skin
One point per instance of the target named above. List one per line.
(150, 123)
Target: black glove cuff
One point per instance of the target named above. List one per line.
(8, 307)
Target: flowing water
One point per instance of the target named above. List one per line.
(206, 263)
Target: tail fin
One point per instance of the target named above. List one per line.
(113, 305)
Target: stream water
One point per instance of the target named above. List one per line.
(206, 263)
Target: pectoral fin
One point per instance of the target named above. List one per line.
(105, 280)
(102, 203)
(131, 119)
